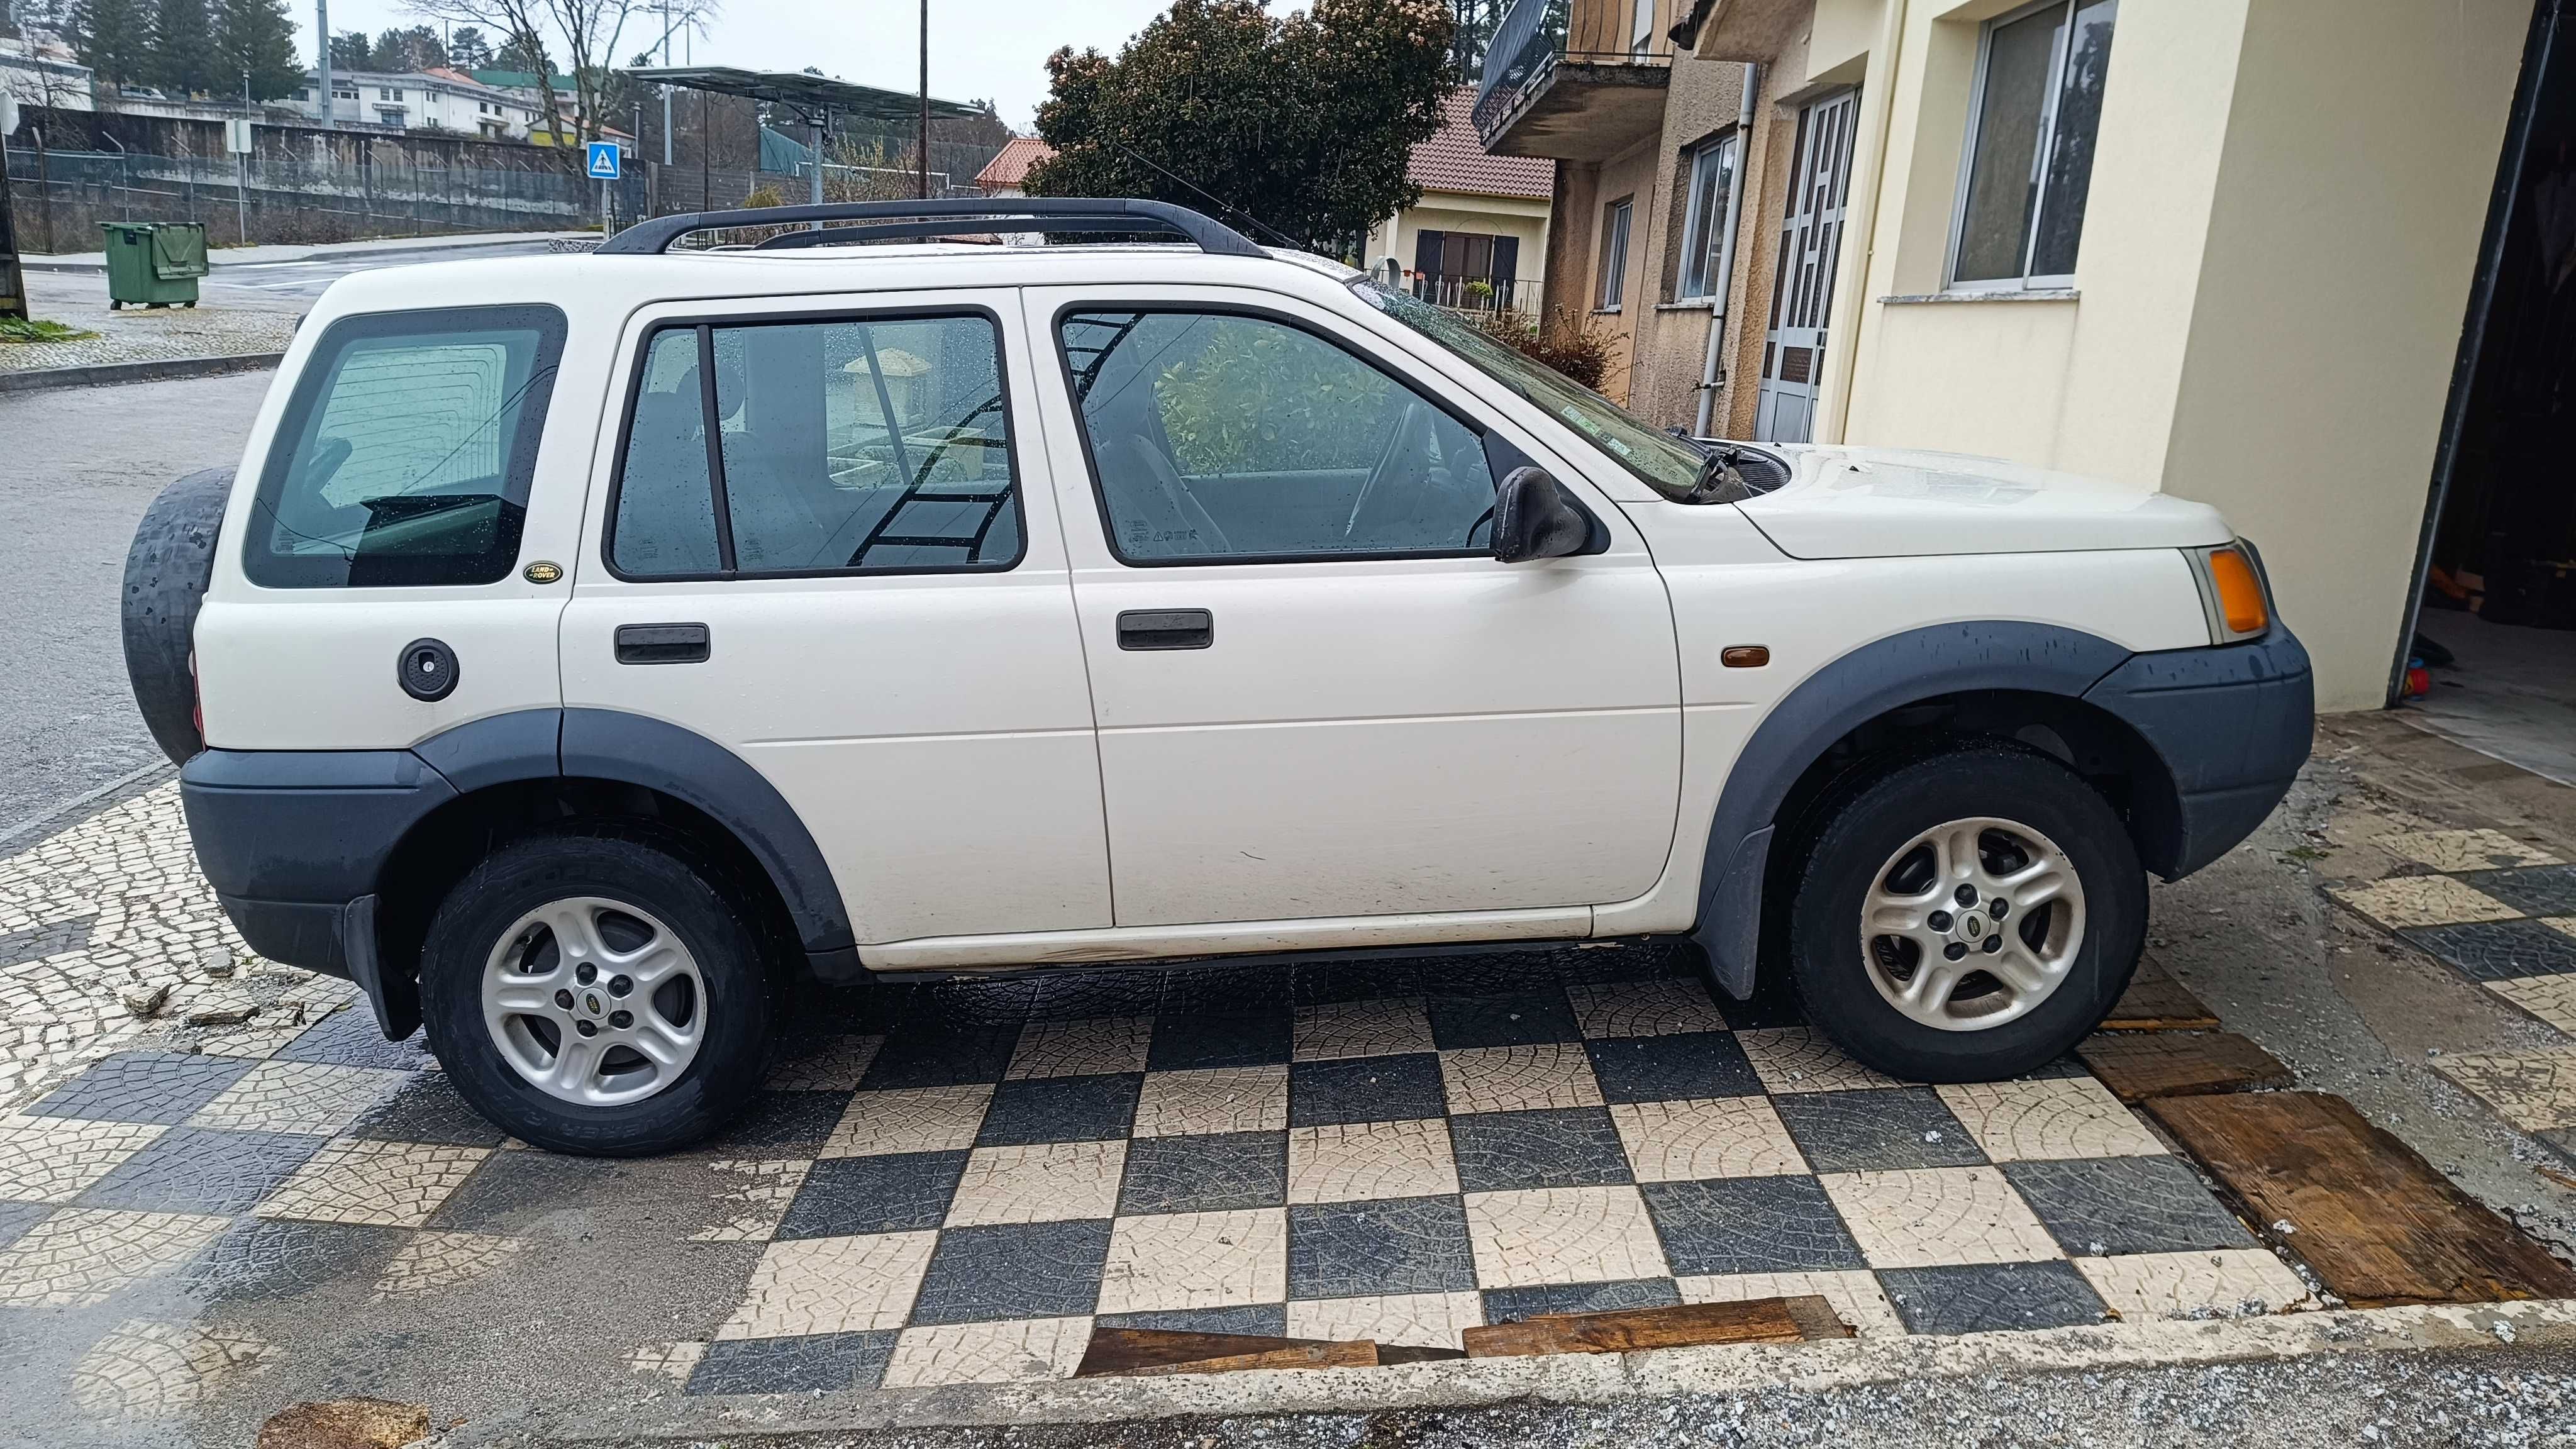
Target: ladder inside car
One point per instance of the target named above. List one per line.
(918, 490)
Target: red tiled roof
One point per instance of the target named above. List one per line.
(1454, 160)
(1011, 167)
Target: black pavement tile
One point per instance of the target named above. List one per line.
(1979, 1297)
(1606, 965)
(1522, 1018)
(2499, 950)
(1487, 973)
(1061, 1109)
(258, 1259)
(350, 1037)
(1263, 1319)
(1400, 1088)
(1557, 1147)
(2099, 1205)
(782, 1124)
(1185, 1041)
(202, 1170)
(1749, 1225)
(1329, 982)
(1396, 1245)
(53, 938)
(514, 1186)
(808, 1364)
(1014, 1270)
(1874, 1131)
(1205, 1174)
(1074, 995)
(152, 1087)
(858, 1196)
(1774, 1003)
(17, 1217)
(1672, 1068)
(1228, 991)
(985, 1001)
(2534, 890)
(426, 1108)
(929, 1052)
(1511, 1305)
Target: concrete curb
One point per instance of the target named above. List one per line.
(38, 379)
(1568, 1379)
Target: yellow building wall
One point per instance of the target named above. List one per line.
(1459, 211)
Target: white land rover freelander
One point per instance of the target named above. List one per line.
(587, 642)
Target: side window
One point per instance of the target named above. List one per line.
(859, 446)
(1216, 435)
(406, 451)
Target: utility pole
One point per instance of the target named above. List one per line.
(666, 88)
(925, 100)
(241, 169)
(13, 286)
(322, 29)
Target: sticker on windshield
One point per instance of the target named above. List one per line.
(1575, 416)
(1620, 448)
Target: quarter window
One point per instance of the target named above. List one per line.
(406, 451)
(1220, 436)
(2029, 163)
(1712, 180)
(1614, 251)
(877, 445)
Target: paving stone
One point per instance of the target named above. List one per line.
(1200, 1041)
(81, 1256)
(1205, 1174)
(53, 1160)
(2500, 950)
(309, 1097)
(157, 1087)
(1400, 1245)
(197, 1169)
(831, 1285)
(1036, 1183)
(1717, 1137)
(1332, 981)
(1427, 1320)
(1671, 1067)
(1086, 1046)
(988, 1352)
(259, 1260)
(1366, 1089)
(1511, 1305)
(929, 1053)
(1520, 1019)
(1855, 1295)
(1361, 1161)
(808, 1363)
(1749, 1225)
(2048, 1117)
(1558, 1235)
(2422, 900)
(2543, 890)
(433, 1262)
(142, 1370)
(1061, 1109)
(2534, 1090)
(1927, 1216)
(1014, 1271)
(2453, 851)
(1979, 1298)
(1663, 1006)
(1217, 990)
(1519, 1078)
(1888, 1128)
(920, 1119)
(514, 1189)
(426, 1108)
(753, 1197)
(17, 1217)
(887, 1193)
(823, 1063)
(1264, 1320)
(1169, 1261)
(1800, 1059)
(1070, 995)
(388, 1184)
(2233, 1282)
(2104, 1205)
(350, 1037)
(2551, 998)
(1504, 1151)
(1388, 1026)
(783, 1124)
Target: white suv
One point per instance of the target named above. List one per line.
(588, 642)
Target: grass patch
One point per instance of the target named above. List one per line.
(20, 329)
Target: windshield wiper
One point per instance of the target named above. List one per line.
(1719, 479)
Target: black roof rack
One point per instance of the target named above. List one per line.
(906, 218)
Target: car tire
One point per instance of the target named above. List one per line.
(1882, 950)
(661, 1061)
(167, 569)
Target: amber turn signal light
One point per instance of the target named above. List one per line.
(2240, 593)
(1744, 656)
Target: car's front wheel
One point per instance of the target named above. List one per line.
(1966, 916)
(597, 993)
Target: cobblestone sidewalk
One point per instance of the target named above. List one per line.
(228, 322)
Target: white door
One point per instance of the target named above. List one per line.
(1318, 694)
(1802, 288)
(867, 584)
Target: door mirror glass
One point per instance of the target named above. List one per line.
(1534, 519)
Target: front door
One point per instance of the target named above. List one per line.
(822, 538)
(1318, 694)
(1802, 289)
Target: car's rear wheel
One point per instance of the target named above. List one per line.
(597, 994)
(1965, 916)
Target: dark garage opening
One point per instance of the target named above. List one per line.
(2497, 630)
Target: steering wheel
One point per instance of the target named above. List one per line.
(1405, 436)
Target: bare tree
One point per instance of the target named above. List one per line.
(585, 33)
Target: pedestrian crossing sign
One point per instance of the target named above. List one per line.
(603, 160)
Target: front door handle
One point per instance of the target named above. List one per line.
(1166, 629)
(663, 644)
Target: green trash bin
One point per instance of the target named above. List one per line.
(154, 264)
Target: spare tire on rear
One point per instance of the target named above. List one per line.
(166, 573)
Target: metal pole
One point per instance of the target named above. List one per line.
(1711, 365)
(13, 286)
(814, 190)
(322, 29)
(241, 174)
(666, 90)
(925, 100)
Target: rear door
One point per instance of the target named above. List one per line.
(822, 539)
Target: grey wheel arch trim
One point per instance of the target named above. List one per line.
(1860, 686)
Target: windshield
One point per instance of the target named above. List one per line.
(1663, 460)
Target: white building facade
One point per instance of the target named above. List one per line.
(442, 100)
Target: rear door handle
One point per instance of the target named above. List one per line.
(1166, 629)
(663, 644)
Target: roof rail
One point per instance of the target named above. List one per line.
(900, 218)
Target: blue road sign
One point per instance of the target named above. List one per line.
(603, 160)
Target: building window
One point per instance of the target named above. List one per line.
(1641, 36)
(1466, 269)
(2030, 145)
(1614, 251)
(1712, 182)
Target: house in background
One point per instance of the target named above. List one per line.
(1476, 237)
(441, 100)
(1007, 173)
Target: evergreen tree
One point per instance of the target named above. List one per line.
(349, 51)
(523, 53)
(182, 49)
(256, 36)
(114, 38)
(468, 50)
(408, 50)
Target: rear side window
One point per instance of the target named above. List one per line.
(873, 445)
(406, 452)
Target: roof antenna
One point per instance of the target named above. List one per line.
(1256, 223)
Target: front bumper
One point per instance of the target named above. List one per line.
(2232, 723)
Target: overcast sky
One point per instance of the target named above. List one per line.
(979, 49)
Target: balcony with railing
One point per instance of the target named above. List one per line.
(1560, 80)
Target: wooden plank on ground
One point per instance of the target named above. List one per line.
(1755, 1320)
(2374, 1220)
(1127, 1350)
(1362, 1354)
(2137, 1065)
(2155, 1001)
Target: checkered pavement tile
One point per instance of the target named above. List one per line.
(1213, 1173)
(316, 1098)
(2452, 851)
(2502, 950)
(55, 1159)
(2551, 998)
(387, 1184)
(1855, 1295)
(1982, 1297)
(1334, 1030)
(1359, 1161)
(80, 1256)
(1937, 1216)
(199, 1169)
(157, 1087)
(1879, 1130)
(2048, 1117)
(2534, 1090)
(2543, 890)
(2097, 1206)
(808, 1363)
(2423, 900)
(2231, 1281)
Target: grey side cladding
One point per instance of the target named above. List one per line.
(1860, 686)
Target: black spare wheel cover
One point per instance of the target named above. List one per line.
(166, 573)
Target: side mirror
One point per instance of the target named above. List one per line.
(1533, 519)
